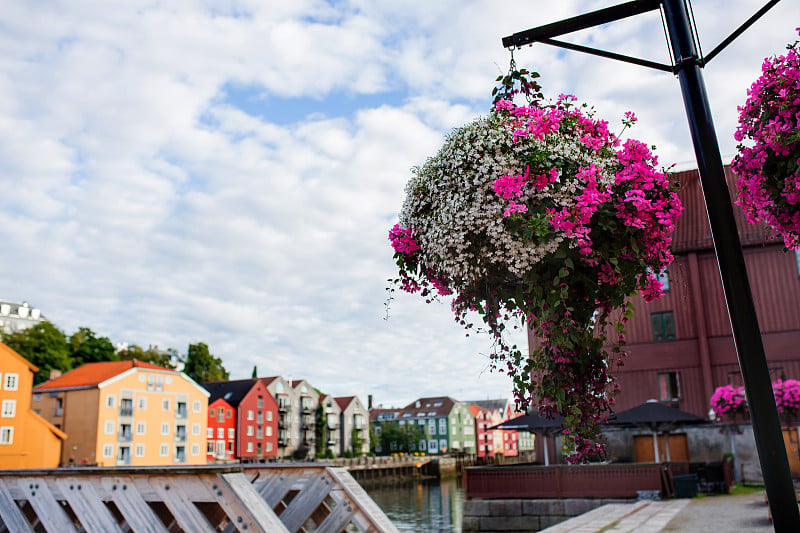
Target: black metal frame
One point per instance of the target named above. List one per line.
(687, 65)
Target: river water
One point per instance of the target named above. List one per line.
(423, 507)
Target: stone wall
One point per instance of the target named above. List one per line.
(525, 515)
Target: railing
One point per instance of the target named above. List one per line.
(565, 481)
(125, 436)
(262, 498)
(126, 411)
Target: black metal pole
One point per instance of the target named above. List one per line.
(746, 334)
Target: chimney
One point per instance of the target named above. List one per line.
(369, 401)
(54, 373)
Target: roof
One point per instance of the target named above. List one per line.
(692, 231)
(437, 406)
(344, 401)
(231, 391)
(654, 415)
(375, 412)
(8, 352)
(494, 405)
(475, 409)
(93, 374)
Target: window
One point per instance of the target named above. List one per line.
(269, 446)
(165, 428)
(140, 428)
(220, 433)
(455, 444)
(228, 413)
(108, 450)
(259, 432)
(36, 397)
(260, 402)
(250, 447)
(249, 414)
(11, 381)
(142, 402)
(249, 431)
(165, 404)
(422, 445)
(195, 449)
(196, 406)
(259, 417)
(442, 426)
(231, 433)
(150, 380)
(212, 413)
(269, 431)
(7, 435)
(669, 387)
(663, 326)
(139, 450)
(9, 408)
(195, 429)
(210, 433)
(108, 428)
(432, 446)
(663, 277)
(269, 416)
(163, 450)
(432, 427)
(220, 415)
(111, 401)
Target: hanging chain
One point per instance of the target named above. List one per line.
(515, 82)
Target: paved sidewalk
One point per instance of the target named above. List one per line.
(746, 513)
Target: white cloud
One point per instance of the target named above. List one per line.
(139, 202)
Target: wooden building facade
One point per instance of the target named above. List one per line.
(681, 346)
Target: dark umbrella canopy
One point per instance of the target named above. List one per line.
(654, 415)
(531, 422)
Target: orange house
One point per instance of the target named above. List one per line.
(127, 413)
(26, 439)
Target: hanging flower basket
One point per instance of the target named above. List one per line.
(536, 215)
(729, 402)
(768, 162)
(787, 398)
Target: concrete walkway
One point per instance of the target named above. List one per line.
(747, 513)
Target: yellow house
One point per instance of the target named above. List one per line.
(26, 439)
(121, 413)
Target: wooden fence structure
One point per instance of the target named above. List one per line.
(202, 499)
(571, 481)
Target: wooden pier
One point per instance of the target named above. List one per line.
(264, 498)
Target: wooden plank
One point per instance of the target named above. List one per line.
(366, 508)
(235, 487)
(11, 515)
(138, 515)
(175, 496)
(338, 518)
(47, 509)
(90, 510)
(274, 488)
(306, 502)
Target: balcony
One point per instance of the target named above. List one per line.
(58, 411)
(180, 437)
(125, 436)
(126, 411)
(181, 411)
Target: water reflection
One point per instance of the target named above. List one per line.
(430, 506)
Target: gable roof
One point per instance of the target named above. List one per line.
(344, 401)
(375, 412)
(231, 391)
(91, 375)
(8, 352)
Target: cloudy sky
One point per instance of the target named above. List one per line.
(226, 171)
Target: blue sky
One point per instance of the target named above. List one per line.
(173, 174)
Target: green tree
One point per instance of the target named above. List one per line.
(255, 372)
(357, 442)
(400, 438)
(86, 347)
(201, 366)
(321, 430)
(152, 355)
(44, 345)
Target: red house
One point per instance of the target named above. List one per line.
(255, 415)
(221, 431)
(491, 442)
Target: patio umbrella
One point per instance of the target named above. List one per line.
(656, 417)
(535, 424)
